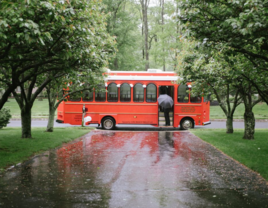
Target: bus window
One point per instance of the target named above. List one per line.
(151, 93)
(125, 92)
(75, 96)
(138, 93)
(87, 96)
(195, 99)
(183, 96)
(112, 93)
(100, 95)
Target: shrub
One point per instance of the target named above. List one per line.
(4, 117)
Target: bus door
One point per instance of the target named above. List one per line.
(169, 90)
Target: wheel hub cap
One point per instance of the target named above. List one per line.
(187, 124)
(108, 124)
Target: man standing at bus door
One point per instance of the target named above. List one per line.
(166, 102)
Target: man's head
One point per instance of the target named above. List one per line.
(163, 90)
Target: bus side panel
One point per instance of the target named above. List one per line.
(138, 114)
(198, 114)
(130, 113)
(95, 110)
(206, 112)
(61, 112)
(127, 113)
(188, 110)
(73, 113)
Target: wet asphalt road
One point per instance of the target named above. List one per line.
(133, 169)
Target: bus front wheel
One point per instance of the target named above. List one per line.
(186, 124)
(108, 123)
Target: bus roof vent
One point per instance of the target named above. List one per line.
(154, 70)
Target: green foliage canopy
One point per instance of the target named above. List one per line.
(239, 26)
(38, 37)
(4, 117)
(123, 23)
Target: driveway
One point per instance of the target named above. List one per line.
(133, 169)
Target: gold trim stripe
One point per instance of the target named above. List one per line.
(75, 112)
(190, 105)
(197, 114)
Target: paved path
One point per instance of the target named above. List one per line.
(133, 169)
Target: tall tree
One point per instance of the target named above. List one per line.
(162, 5)
(211, 75)
(222, 74)
(164, 41)
(144, 10)
(27, 97)
(240, 25)
(73, 85)
(123, 23)
(159, 38)
(49, 38)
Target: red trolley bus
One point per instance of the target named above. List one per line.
(130, 97)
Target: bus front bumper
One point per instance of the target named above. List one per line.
(206, 123)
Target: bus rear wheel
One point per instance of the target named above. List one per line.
(108, 123)
(186, 124)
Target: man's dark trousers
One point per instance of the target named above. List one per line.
(166, 114)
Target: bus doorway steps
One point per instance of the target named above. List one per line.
(161, 119)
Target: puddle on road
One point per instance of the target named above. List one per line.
(132, 169)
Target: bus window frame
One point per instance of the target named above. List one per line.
(134, 93)
(187, 88)
(74, 100)
(95, 93)
(108, 93)
(125, 101)
(88, 100)
(155, 93)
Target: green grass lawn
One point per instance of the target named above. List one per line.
(13, 149)
(39, 110)
(251, 153)
(260, 112)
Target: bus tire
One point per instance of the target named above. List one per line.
(186, 123)
(108, 123)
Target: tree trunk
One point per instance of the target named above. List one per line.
(4, 96)
(146, 38)
(115, 64)
(51, 107)
(249, 121)
(26, 122)
(229, 125)
(177, 37)
(162, 20)
(144, 6)
(50, 123)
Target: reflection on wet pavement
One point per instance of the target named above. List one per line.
(133, 169)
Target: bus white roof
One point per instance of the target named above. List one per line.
(144, 78)
(141, 72)
(150, 75)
